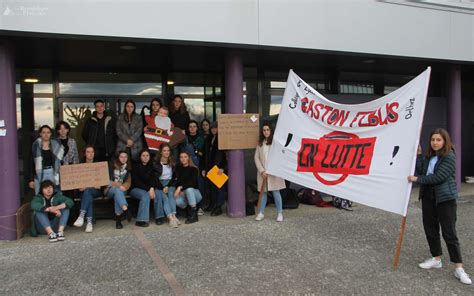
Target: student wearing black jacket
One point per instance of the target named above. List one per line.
(99, 131)
(438, 194)
(178, 114)
(187, 189)
(165, 174)
(143, 187)
(213, 156)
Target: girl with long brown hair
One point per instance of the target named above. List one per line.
(187, 190)
(166, 175)
(120, 181)
(129, 130)
(438, 193)
(273, 183)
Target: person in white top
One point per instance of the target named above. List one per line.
(273, 183)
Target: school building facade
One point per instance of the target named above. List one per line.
(229, 56)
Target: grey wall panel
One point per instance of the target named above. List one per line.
(339, 25)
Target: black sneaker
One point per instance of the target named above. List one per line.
(141, 224)
(159, 221)
(60, 236)
(216, 211)
(52, 237)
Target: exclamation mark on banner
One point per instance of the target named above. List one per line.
(288, 140)
(395, 151)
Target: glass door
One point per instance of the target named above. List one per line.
(76, 111)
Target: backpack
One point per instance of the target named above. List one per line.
(342, 203)
(312, 197)
(289, 198)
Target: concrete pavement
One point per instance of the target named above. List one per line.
(314, 251)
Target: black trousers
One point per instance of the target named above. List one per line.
(444, 215)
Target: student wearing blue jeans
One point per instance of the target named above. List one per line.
(143, 187)
(187, 188)
(51, 212)
(272, 183)
(120, 181)
(165, 174)
(87, 195)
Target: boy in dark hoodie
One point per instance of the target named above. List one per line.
(51, 212)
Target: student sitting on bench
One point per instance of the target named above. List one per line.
(51, 211)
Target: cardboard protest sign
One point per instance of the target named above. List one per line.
(361, 152)
(238, 131)
(75, 176)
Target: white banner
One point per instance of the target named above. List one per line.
(361, 152)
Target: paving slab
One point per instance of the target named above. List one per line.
(315, 251)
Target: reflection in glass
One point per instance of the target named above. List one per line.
(218, 108)
(189, 90)
(139, 106)
(110, 88)
(278, 84)
(389, 88)
(43, 88)
(195, 108)
(275, 105)
(209, 91)
(209, 110)
(75, 113)
(43, 112)
(18, 112)
(356, 88)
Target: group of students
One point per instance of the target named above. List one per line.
(175, 176)
(170, 177)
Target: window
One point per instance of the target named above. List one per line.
(136, 89)
(356, 88)
(44, 113)
(195, 108)
(389, 88)
(42, 104)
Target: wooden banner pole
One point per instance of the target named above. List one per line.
(260, 195)
(396, 259)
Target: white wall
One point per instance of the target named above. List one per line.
(362, 26)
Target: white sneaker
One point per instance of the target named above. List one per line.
(431, 263)
(89, 227)
(280, 217)
(200, 212)
(79, 222)
(259, 217)
(460, 274)
(174, 223)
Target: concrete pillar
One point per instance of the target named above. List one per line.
(234, 104)
(9, 174)
(454, 115)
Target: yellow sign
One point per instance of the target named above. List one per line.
(218, 180)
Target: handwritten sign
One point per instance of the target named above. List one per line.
(84, 175)
(238, 131)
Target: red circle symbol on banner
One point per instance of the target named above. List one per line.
(335, 136)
